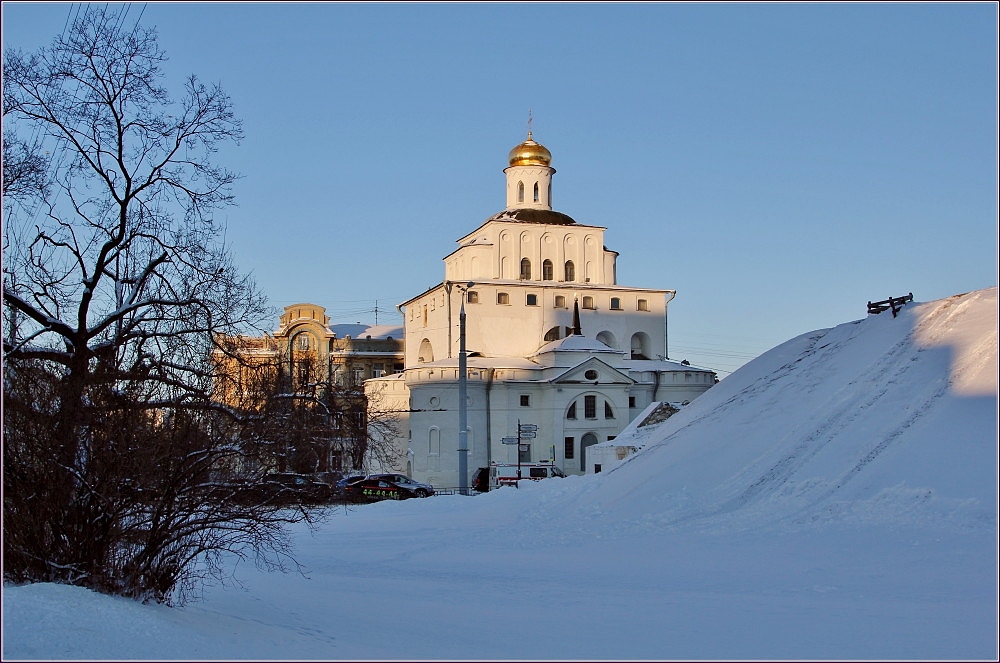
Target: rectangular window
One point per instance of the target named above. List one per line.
(568, 448)
(590, 407)
(537, 473)
(379, 370)
(532, 300)
(616, 304)
(560, 301)
(525, 400)
(473, 297)
(631, 401)
(503, 298)
(588, 302)
(642, 305)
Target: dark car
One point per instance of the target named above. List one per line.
(290, 488)
(342, 483)
(406, 484)
(386, 487)
(481, 480)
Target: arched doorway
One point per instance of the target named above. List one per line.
(587, 440)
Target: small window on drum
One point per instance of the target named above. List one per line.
(531, 300)
(642, 305)
(503, 298)
(560, 301)
(616, 304)
(473, 297)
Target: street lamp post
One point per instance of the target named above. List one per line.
(463, 433)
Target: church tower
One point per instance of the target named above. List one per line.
(550, 337)
(529, 176)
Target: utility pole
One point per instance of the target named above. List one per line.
(666, 324)
(463, 433)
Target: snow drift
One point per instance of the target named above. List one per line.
(836, 498)
(886, 419)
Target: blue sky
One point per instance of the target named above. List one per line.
(777, 164)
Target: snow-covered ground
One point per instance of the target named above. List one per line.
(836, 498)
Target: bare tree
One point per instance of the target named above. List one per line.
(307, 423)
(120, 472)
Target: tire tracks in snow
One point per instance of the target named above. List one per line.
(890, 369)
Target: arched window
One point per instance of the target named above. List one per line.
(525, 268)
(571, 412)
(434, 449)
(552, 334)
(570, 271)
(536, 192)
(547, 270)
(609, 413)
(520, 192)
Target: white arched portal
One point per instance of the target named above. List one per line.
(426, 352)
(608, 339)
(640, 346)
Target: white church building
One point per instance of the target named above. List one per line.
(552, 342)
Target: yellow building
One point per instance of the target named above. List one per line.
(306, 379)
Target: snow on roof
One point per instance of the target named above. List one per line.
(359, 330)
(480, 362)
(575, 343)
(662, 365)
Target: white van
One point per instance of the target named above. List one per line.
(506, 474)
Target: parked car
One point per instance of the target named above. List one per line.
(481, 480)
(329, 478)
(386, 487)
(508, 474)
(406, 484)
(351, 478)
(291, 488)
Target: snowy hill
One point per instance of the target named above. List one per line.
(880, 420)
(836, 498)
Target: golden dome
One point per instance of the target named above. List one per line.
(530, 153)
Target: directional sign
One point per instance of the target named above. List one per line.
(528, 433)
(528, 427)
(524, 447)
(509, 440)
